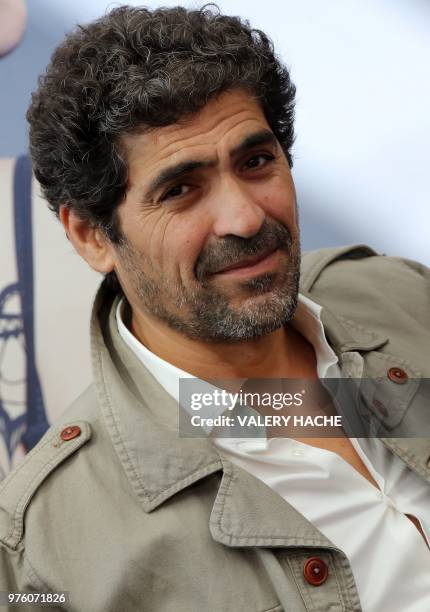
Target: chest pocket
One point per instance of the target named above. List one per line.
(394, 396)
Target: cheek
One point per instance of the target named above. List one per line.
(152, 237)
(183, 242)
(279, 201)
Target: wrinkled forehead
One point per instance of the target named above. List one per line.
(225, 120)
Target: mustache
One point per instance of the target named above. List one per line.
(231, 249)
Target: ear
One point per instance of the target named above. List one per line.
(88, 241)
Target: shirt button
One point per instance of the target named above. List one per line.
(70, 432)
(315, 571)
(397, 375)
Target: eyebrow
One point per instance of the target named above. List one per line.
(263, 137)
(172, 173)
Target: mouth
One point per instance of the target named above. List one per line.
(251, 265)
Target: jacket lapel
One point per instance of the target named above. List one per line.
(141, 416)
(247, 512)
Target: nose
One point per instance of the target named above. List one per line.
(236, 210)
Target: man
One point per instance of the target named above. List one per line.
(162, 139)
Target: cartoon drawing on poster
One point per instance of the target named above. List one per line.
(12, 373)
(22, 412)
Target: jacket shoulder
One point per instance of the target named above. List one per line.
(361, 267)
(62, 440)
(389, 296)
(315, 262)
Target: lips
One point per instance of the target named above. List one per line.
(248, 261)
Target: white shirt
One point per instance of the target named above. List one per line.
(388, 556)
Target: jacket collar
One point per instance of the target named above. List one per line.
(142, 420)
(142, 417)
(345, 335)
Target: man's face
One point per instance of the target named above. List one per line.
(211, 240)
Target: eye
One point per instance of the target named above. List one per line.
(176, 192)
(259, 161)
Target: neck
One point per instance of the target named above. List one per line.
(284, 353)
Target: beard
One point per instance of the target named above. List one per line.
(204, 311)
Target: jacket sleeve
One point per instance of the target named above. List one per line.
(17, 573)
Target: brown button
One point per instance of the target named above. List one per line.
(70, 432)
(380, 406)
(315, 571)
(397, 375)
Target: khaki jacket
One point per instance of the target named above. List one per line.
(127, 516)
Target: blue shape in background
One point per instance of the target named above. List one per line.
(12, 328)
(19, 325)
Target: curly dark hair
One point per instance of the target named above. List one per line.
(147, 68)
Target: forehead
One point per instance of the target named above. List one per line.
(224, 120)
